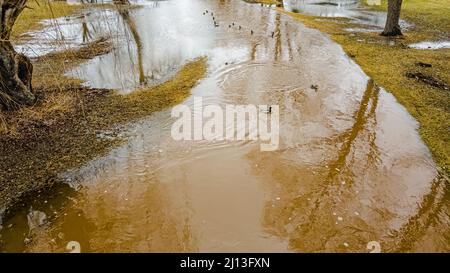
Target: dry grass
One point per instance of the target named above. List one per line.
(59, 132)
(48, 69)
(40, 10)
(3, 124)
(388, 65)
(266, 2)
(429, 15)
(53, 87)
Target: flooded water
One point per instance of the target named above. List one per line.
(337, 8)
(67, 32)
(370, 21)
(431, 45)
(351, 167)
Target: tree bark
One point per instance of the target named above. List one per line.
(15, 69)
(123, 10)
(392, 27)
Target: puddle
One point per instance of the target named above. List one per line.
(351, 167)
(150, 55)
(431, 45)
(362, 30)
(336, 8)
(68, 32)
(370, 20)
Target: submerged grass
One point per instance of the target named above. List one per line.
(146, 100)
(39, 10)
(265, 2)
(429, 16)
(62, 131)
(388, 65)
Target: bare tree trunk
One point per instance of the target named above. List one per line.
(392, 27)
(15, 69)
(123, 10)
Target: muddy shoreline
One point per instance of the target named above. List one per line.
(39, 144)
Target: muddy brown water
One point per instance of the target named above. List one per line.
(351, 167)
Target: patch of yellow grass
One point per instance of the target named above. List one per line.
(428, 15)
(58, 103)
(266, 2)
(387, 65)
(155, 98)
(54, 106)
(61, 127)
(39, 10)
(3, 124)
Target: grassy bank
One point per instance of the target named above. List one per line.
(39, 10)
(429, 16)
(265, 2)
(390, 65)
(62, 130)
